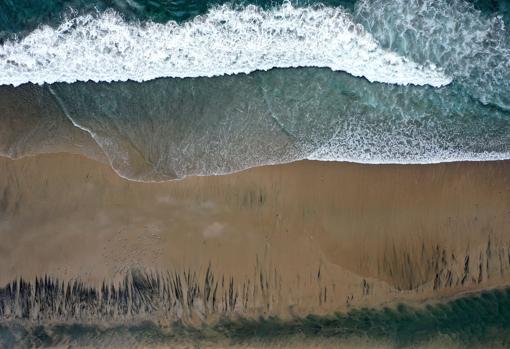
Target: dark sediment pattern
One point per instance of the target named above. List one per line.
(408, 269)
(191, 296)
(75, 311)
(174, 296)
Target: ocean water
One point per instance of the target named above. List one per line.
(164, 89)
(171, 89)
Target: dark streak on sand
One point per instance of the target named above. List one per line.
(49, 312)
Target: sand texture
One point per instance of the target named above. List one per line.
(295, 239)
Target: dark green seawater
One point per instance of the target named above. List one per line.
(22, 16)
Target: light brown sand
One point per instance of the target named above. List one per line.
(299, 238)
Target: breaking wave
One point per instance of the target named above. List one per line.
(226, 40)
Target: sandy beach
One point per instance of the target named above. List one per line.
(301, 238)
(255, 174)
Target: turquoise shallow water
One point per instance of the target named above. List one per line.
(170, 128)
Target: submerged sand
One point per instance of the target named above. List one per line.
(306, 237)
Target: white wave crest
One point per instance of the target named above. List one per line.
(103, 47)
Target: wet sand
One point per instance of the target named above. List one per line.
(307, 237)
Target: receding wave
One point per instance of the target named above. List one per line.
(172, 128)
(226, 40)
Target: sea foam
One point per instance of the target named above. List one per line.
(471, 46)
(226, 40)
